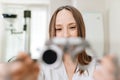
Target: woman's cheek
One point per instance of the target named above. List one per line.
(74, 33)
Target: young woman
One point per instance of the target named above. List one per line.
(66, 22)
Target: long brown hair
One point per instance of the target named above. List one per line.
(83, 58)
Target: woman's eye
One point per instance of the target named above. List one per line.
(73, 27)
(59, 29)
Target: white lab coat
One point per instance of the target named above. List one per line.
(60, 73)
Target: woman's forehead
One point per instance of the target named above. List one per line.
(64, 16)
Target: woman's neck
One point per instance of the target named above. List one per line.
(68, 60)
(70, 66)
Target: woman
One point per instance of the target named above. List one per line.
(66, 22)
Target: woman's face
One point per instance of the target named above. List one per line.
(65, 24)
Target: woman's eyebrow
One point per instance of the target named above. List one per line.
(72, 24)
(58, 25)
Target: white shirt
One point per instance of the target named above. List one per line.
(61, 74)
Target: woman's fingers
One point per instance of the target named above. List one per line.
(3, 71)
(24, 57)
(24, 68)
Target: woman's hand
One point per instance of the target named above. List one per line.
(106, 69)
(3, 71)
(24, 68)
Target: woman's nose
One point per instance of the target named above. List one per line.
(66, 34)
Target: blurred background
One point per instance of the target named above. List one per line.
(101, 19)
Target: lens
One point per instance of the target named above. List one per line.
(49, 56)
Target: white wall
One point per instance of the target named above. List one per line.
(88, 5)
(25, 2)
(1, 31)
(114, 24)
(54, 4)
(96, 6)
(111, 19)
(94, 32)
